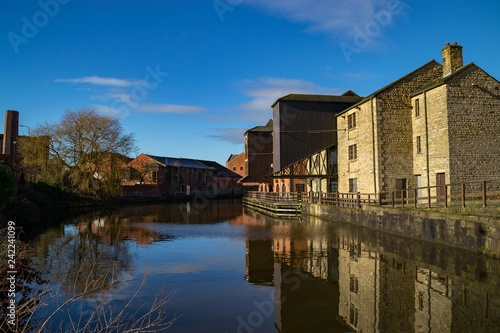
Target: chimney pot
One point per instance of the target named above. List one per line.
(455, 43)
(447, 44)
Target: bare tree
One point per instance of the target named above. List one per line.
(84, 303)
(81, 144)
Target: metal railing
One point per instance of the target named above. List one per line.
(484, 192)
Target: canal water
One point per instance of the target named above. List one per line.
(234, 270)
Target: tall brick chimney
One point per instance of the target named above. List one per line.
(11, 132)
(452, 58)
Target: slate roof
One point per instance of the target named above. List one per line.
(443, 80)
(178, 162)
(217, 169)
(390, 85)
(267, 128)
(346, 98)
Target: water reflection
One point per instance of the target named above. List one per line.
(375, 282)
(290, 276)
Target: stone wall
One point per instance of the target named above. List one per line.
(390, 139)
(472, 232)
(474, 125)
(394, 115)
(361, 135)
(434, 103)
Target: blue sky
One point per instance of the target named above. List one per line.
(189, 77)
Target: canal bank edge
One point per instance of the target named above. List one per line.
(478, 233)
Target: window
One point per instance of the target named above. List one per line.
(154, 177)
(419, 145)
(417, 108)
(351, 120)
(353, 152)
(234, 168)
(353, 284)
(353, 185)
(241, 168)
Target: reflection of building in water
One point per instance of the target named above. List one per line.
(432, 302)
(325, 280)
(359, 274)
(385, 293)
(259, 261)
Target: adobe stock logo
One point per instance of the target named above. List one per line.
(30, 28)
(364, 36)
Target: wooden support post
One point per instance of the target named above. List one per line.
(484, 193)
(358, 200)
(337, 199)
(393, 194)
(380, 199)
(428, 196)
(445, 196)
(463, 194)
(415, 195)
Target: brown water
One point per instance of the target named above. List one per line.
(235, 270)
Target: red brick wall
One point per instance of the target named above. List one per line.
(237, 165)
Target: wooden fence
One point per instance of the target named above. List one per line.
(485, 192)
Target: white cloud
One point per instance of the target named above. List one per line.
(104, 81)
(106, 110)
(331, 16)
(233, 135)
(170, 108)
(263, 92)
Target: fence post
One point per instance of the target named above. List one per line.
(428, 195)
(446, 196)
(392, 198)
(463, 194)
(358, 200)
(337, 199)
(484, 193)
(415, 195)
(402, 198)
(379, 199)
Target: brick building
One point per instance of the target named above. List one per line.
(156, 176)
(236, 163)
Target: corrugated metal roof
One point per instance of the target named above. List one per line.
(179, 162)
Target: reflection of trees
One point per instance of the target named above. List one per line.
(200, 211)
(85, 251)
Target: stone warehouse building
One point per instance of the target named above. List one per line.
(436, 125)
(456, 125)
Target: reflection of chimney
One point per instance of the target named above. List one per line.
(11, 132)
(452, 58)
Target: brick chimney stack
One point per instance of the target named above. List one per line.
(452, 58)
(11, 132)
